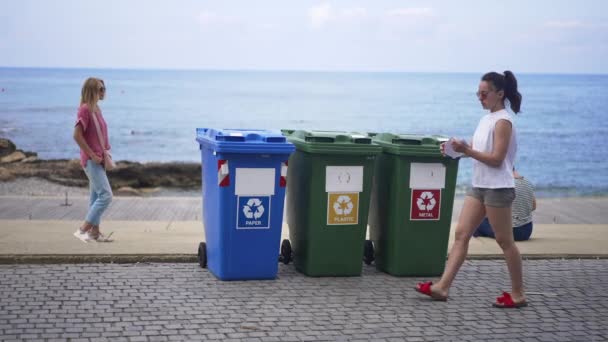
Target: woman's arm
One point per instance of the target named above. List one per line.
(79, 137)
(502, 136)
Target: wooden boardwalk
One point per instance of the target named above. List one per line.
(550, 210)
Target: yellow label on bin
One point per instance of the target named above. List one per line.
(342, 208)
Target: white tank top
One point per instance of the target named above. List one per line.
(485, 176)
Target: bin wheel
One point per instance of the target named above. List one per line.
(368, 252)
(202, 255)
(286, 255)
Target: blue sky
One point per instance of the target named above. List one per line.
(379, 35)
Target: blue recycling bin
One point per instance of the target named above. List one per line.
(243, 179)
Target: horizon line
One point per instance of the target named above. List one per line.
(295, 70)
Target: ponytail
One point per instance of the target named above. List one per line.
(508, 83)
(511, 92)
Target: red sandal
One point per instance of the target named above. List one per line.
(425, 288)
(506, 302)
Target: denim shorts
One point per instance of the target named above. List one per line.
(498, 198)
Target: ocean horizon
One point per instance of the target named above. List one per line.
(338, 71)
(153, 114)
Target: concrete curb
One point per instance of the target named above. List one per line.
(16, 259)
(539, 256)
(96, 258)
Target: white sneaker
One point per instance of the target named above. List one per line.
(83, 236)
(103, 238)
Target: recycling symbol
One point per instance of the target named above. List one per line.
(426, 201)
(343, 205)
(253, 208)
(344, 177)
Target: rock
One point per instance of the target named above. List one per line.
(6, 175)
(74, 164)
(128, 177)
(13, 157)
(150, 175)
(71, 181)
(6, 147)
(127, 191)
(149, 191)
(29, 159)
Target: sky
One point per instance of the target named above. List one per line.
(539, 36)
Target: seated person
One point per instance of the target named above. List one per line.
(523, 206)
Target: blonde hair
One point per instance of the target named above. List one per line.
(90, 92)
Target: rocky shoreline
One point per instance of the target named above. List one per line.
(127, 177)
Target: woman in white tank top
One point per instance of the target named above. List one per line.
(493, 151)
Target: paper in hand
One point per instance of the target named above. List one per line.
(448, 149)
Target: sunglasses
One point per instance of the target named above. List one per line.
(102, 89)
(483, 94)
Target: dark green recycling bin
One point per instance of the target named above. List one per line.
(329, 181)
(411, 205)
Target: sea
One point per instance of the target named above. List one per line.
(152, 115)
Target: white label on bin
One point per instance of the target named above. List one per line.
(253, 212)
(344, 179)
(254, 181)
(427, 176)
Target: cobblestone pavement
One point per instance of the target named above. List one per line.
(166, 302)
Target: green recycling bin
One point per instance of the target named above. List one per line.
(411, 205)
(329, 181)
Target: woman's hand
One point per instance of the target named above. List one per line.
(442, 148)
(460, 146)
(96, 159)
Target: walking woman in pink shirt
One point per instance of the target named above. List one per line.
(91, 134)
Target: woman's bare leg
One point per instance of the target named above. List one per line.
(95, 232)
(86, 226)
(500, 220)
(471, 215)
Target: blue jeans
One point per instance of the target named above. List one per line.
(101, 192)
(521, 233)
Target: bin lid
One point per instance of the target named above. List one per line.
(410, 144)
(244, 141)
(332, 142)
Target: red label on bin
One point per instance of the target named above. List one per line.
(426, 204)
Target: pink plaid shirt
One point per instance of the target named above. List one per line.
(85, 120)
